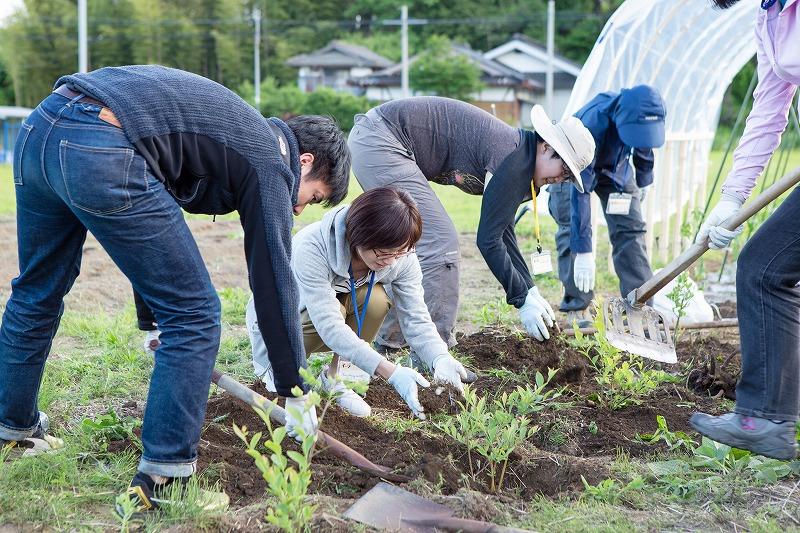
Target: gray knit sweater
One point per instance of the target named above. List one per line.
(216, 153)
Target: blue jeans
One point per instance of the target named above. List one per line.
(74, 172)
(626, 233)
(768, 305)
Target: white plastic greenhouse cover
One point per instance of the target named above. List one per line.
(690, 52)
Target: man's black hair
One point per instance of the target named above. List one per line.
(321, 136)
(724, 4)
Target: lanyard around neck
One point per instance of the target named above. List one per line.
(360, 317)
(536, 229)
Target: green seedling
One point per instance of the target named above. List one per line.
(526, 400)
(490, 432)
(593, 429)
(673, 439)
(680, 295)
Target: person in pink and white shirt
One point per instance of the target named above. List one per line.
(768, 268)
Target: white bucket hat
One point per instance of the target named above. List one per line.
(569, 138)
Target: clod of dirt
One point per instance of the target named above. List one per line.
(440, 398)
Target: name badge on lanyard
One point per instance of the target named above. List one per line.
(619, 203)
(541, 263)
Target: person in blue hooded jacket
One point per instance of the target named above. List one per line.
(626, 126)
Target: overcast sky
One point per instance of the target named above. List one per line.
(7, 7)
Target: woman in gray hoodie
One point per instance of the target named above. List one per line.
(364, 250)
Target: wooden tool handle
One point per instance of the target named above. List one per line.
(639, 296)
(278, 415)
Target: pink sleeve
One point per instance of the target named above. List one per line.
(765, 125)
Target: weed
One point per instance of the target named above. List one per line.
(610, 490)
(526, 400)
(593, 429)
(109, 427)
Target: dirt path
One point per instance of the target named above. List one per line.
(102, 286)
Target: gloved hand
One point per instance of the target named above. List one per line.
(405, 381)
(583, 271)
(448, 369)
(719, 237)
(537, 315)
(300, 416)
(643, 193)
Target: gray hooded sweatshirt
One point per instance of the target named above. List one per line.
(320, 261)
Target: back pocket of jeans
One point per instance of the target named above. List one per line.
(96, 178)
(19, 147)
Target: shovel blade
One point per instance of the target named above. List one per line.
(385, 506)
(641, 331)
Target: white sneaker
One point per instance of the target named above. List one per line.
(151, 342)
(350, 372)
(346, 398)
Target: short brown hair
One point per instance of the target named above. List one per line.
(382, 218)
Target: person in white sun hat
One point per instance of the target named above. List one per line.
(411, 142)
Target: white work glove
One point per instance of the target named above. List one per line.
(719, 237)
(405, 381)
(300, 416)
(643, 193)
(537, 315)
(583, 271)
(447, 369)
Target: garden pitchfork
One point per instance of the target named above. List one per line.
(639, 329)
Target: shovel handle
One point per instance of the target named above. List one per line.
(724, 323)
(638, 297)
(278, 415)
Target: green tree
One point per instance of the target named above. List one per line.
(442, 71)
(341, 106)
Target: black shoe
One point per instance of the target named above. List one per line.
(146, 495)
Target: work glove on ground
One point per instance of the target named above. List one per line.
(405, 381)
(583, 271)
(537, 315)
(719, 237)
(299, 416)
(448, 369)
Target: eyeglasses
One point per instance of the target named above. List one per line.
(380, 254)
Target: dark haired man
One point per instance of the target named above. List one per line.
(411, 142)
(118, 152)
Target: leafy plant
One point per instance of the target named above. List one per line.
(287, 482)
(622, 379)
(680, 295)
(492, 433)
(610, 490)
(673, 439)
(109, 427)
(526, 400)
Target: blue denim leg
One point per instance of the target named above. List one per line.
(560, 208)
(768, 305)
(96, 180)
(627, 235)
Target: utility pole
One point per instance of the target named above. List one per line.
(257, 57)
(404, 50)
(548, 84)
(83, 46)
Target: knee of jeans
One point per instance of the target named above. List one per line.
(749, 267)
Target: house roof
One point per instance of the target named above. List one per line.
(342, 55)
(493, 73)
(14, 112)
(522, 43)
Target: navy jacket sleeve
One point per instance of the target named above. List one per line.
(281, 335)
(508, 188)
(643, 159)
(580, 240)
